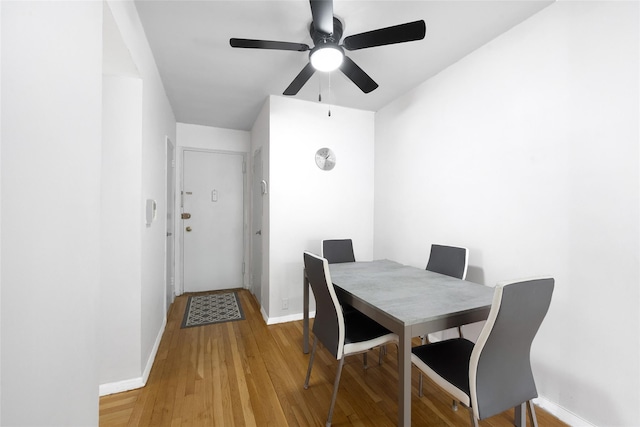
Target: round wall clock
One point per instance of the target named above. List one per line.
(325, 159)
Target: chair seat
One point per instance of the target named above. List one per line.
(449, 361)
(363, 333)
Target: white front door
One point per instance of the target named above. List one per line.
(213, 248)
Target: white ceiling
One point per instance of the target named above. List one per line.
(210, 83)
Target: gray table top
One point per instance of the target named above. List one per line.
(409, 294)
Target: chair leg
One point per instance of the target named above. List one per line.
(335, 392)
(313, 353)
(532, 414)
(474, 422)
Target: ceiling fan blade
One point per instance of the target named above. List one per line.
(322, 13)
(268, 44)
(397, 34)
(357, 75)
(300, 80)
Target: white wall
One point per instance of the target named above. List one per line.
(526, 151)
(50, 174)
(119, 348)
(211, 138)
(0, 212)
(52, 156)
(158, 122)
(206, 138)
(307, 204)
(121, 267)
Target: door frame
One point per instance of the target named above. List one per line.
(256, 247)
(179, 272)
(170, 240)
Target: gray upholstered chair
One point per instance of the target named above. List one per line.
(338, 250)
(494, 374)
(449, 260)
(341, 334)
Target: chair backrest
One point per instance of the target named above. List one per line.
(500, 375)
(449, 260)
(328, 325)
(338, 250)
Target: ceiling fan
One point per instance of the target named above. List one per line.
(327, 54)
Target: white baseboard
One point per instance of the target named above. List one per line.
(139, 382)
(285, 319)
(561, 413)
(154, 351)
(120, 386)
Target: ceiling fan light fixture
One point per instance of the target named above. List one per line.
(326, 57)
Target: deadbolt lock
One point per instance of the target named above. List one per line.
(186, 215)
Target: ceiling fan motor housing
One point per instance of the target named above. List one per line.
(320, 38)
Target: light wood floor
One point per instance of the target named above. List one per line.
(246, 373)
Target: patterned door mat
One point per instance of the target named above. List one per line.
(212, 308)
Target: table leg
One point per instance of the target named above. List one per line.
(404, 379)
(305, 313)
(520, 415)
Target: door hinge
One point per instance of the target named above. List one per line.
(244, 167)
(243, 268)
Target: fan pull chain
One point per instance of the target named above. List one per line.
(320, 92)
(329, 94)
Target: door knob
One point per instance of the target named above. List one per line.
(188, 229)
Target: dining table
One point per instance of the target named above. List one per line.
(408, 301)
